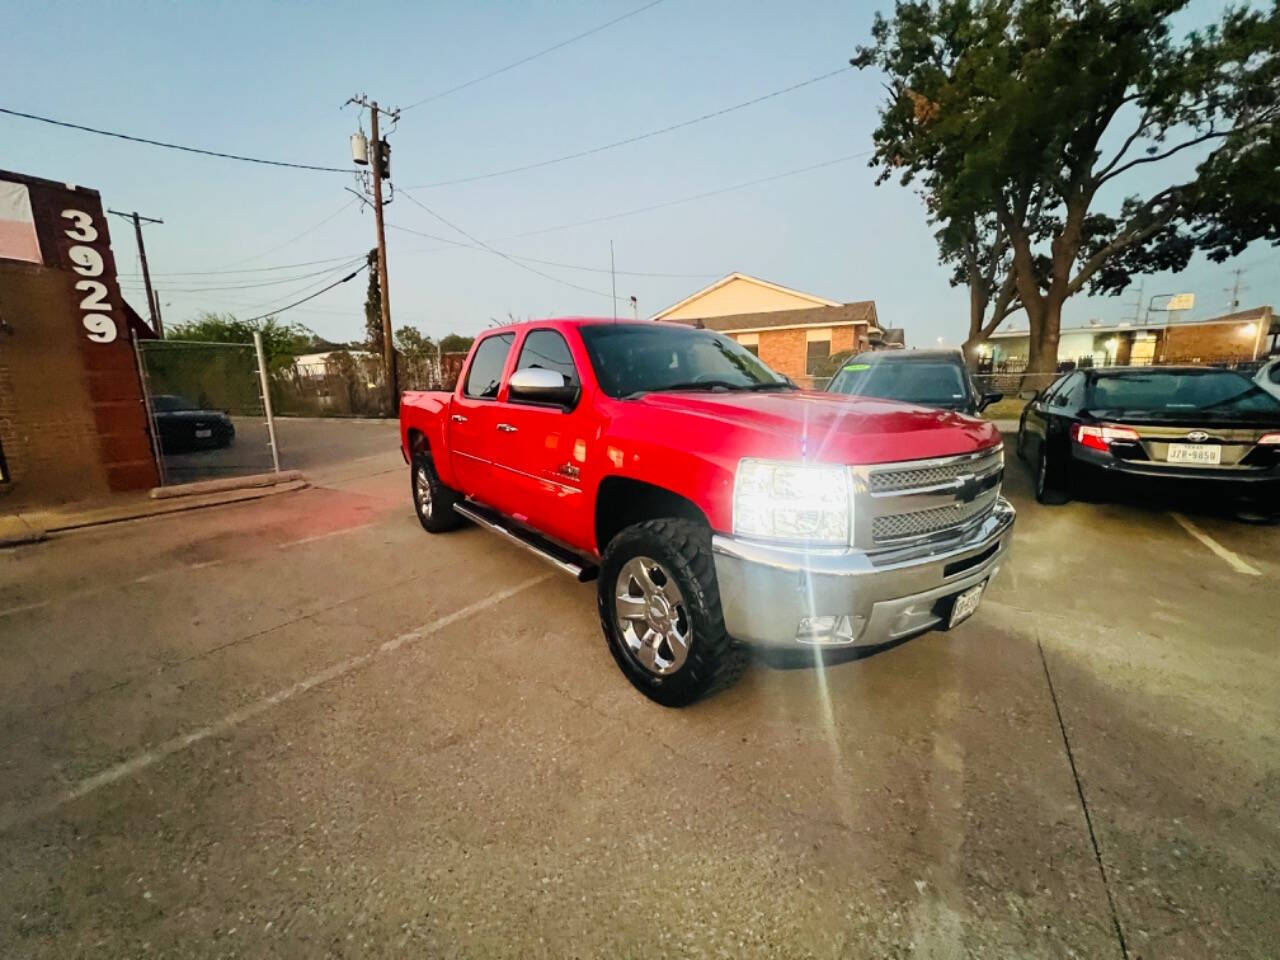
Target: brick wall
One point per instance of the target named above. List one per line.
(1208, 342)
(72, 421)
(784, 350)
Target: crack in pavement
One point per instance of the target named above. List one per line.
(1084, 804)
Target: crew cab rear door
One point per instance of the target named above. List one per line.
(473, 419)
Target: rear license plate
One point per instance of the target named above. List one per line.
(204, 434)
(965, 603)
(1195, 453)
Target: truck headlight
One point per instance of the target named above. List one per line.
(782, 500)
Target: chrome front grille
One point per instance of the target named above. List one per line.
(898, 503)
(922, 523)
(909, 478)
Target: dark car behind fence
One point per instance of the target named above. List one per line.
(206, 408)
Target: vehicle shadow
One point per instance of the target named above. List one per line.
(806, 658)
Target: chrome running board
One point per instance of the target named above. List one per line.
(559, 557)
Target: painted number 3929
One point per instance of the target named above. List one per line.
(88, 263)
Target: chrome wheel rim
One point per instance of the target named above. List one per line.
(651, 616)
(422, 491)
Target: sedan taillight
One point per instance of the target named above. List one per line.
(1101, 437)
(1269, 439)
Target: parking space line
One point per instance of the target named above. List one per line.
(322, 536)
(235, 718)
(1232, 559)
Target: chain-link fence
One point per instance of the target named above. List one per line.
(348, 383)
(206, 407)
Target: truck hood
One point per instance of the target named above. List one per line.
(830, 428)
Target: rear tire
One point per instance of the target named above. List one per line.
(1049, 483)
(660, 610)
(432, 500)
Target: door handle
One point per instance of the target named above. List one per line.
(506, 428)
(458, 418)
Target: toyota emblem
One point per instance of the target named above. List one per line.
(1197, 436)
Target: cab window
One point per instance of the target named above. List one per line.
(484, 376)
(547, 350)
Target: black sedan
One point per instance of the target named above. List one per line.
(930, 378)
(182, 425)
(1196, 430)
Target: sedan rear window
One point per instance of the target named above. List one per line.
(1204, 391)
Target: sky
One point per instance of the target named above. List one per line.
(270, 80)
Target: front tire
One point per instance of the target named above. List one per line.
(432, 500)
(660, 609)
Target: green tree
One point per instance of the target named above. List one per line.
(373, 307)
(455, 343)
(1015, 117)
(413, 345)
(281, 342)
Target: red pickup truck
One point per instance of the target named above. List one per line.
(714, 502)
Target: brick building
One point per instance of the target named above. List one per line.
(795, 333)
(72, 418)
(1230, 338)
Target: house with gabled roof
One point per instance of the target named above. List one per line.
(794, 332)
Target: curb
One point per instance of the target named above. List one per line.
(200, 487)
(16, 530)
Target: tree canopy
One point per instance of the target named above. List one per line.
(280, 341)
(1014, 118)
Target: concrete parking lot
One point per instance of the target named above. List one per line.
(302, 727)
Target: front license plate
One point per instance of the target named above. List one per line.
(1195, 453)
(965, 604)
(204, 434)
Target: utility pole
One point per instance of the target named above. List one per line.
(1137, 304)
(380, 166)
(1234, 305)
(613, 276)
(152, 309)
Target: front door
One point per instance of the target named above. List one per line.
(546, 447)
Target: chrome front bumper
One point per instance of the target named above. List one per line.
(776, 595)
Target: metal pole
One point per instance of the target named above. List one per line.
(614, 278)
(146, 405)
(266, 400)
(388, 349)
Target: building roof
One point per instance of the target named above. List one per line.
(1252, 315)
(777, 287)
(840, 314)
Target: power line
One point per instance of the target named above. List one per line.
(532, 56)
(635, 139)
(523, 266)
(271, 313)
(279, 246)
(690, 199)
(281, 266)
(171, 146)
(350, 261)
(551, 263)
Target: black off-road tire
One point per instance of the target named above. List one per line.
(437, 515)
(683, 547)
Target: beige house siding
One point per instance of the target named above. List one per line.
(740, 294)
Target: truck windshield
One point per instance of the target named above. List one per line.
(932, 383)
(635, 358)
(1172, 391)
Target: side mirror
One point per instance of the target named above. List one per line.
(988, 399)
(540, 385)
(1028, 395)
